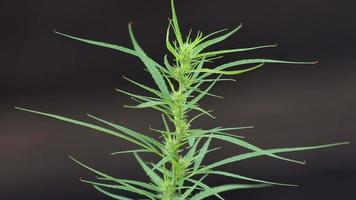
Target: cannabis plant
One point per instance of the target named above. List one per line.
(186, 76)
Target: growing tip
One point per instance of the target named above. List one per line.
(20, 108)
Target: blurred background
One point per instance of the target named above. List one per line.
(288, 105)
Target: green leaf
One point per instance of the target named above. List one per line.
(91, 126)
(131, 151)
(206, 188)
(192, 150)
(232, 175)
(200, 156)
(212, 34)
(139, 136)
(167, 133)
(193, 133)
(215, 53)
(168, 65)
(207, 93)
(195, 117)
(125, 187)
(202, 94)
(151, 66)
(222, 131)
(141, 97)
(176, 24)
(148, 104)
(144, 98)
(91, 169)
(210, 42)
(151, 90)
(228, 134)
(168, 43)
(235, 128)
(191, 189)
(197, 108)
(272, 151)
(101, 44)
(247, 145)
(253, 61)
(220, 80)
(163, 161)
(200, 132)
(150, 173)
(221, 72)
(114, 196)
(223, 188)
(199, 66)
(148, 186)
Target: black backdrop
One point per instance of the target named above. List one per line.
(289, 105)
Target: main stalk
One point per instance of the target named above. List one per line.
(175, 143)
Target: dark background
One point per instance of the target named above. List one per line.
(289, 105)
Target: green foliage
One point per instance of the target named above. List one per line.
(180, 171)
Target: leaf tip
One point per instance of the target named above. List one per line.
(20, 108)
(72, 158)
(56, 32)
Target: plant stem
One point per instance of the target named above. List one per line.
(174, 144)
